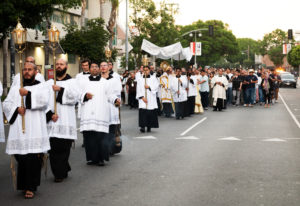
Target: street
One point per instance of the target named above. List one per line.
(238, 157)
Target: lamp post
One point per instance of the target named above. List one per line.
(195, 35)
(108, 53)
(19, 35)
(53, 34)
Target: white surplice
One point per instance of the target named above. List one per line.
(219, 91)
(81, 78)
(95, 113)
(152, 82)
(181, 87)
(116, 88)
(65, 126)
(36, 138)
(192, 86)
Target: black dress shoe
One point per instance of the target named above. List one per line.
(58, 180)
(101, 163)
(148, 129)
(142, 130)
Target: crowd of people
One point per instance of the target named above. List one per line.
(43, 118)
(181, 92)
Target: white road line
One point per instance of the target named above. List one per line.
(229, 139)
(188, 138)
(145, 137)
(290, 112)
(189, 129)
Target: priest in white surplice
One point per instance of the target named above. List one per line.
(116, 88)
(166, 96)
(219, 84)
(178, 88)
(96, 98)
(62, 126)
(28, 147)
(2, 134)
(146, 94)
(192, 91)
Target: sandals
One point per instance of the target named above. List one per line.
(29, 194)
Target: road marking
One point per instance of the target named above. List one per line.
(189, 129)
(290, 112)
(188, 138)
(274, 140)
(229, 139)
(146, 137)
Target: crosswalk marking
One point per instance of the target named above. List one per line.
(146, 137)
(274, 140)
(230, 139)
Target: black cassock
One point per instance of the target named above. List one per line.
(148, 118)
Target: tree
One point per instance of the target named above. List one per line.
(30, 12)
(88, 41)
(294, 56)
(273, 39)
(112, 20)
(276, 55)
(243, 45)
(222, 44)
(156, 25)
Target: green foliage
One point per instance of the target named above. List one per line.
(273, 39)
(87, 42)
(30, 12)
(131, 63)
(241, 57)
(294, 56)
(156, 25)
(276, 55)
(222, 44)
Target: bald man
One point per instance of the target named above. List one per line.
(38, 76)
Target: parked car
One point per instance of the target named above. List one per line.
(288, 80)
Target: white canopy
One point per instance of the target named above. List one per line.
(174, 51)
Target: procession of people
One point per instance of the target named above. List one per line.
(43, 120)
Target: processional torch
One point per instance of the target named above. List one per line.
(145, 61)
(53, 34)
(19, 36)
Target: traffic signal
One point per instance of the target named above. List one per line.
(211, 30)
(290, 34)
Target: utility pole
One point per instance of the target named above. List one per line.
(126, 33)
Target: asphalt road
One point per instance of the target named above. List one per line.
(239, 157)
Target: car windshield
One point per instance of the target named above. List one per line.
(288, 77)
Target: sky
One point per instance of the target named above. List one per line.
(246, 18)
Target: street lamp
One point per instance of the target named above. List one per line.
(53, 34)
(108, 53)
(191, 35)
(19, 35)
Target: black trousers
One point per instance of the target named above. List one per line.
(191, 105)
(29, 171)
(133, 103)
(111, 137)
(59, 156)
(159, 112)
(148, 118)
(179, 109)
(186, 109)
(204, 99)
(167, 109)
(97, 146)
(220, 104)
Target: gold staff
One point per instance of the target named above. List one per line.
(19, 35)
(53, 34)
(145, 63)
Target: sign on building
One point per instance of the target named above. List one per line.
(286, 48)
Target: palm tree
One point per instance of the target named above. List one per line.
(83, 7)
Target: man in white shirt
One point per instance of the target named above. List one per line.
(204, 89)
(219, 84)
